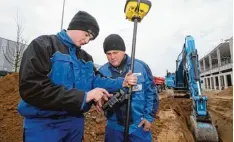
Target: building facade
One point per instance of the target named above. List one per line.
(217, 67)
(7, 54)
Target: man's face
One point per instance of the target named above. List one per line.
(115, 57)
(80, 37)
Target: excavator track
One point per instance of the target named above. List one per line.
(203, 131)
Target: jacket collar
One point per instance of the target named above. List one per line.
(67, 40)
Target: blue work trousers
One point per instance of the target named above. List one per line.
(112, 135)
(56, 131)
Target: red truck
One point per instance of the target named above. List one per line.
(160, 82)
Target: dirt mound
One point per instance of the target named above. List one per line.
(226, 92)
(173, 115)
(220, 106)
(10, 120)
(94, 126)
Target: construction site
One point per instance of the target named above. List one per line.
(57, 82)
(170, 125)
(172, 122)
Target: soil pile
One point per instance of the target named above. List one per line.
(10, 120)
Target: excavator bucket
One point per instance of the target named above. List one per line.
(203, 131)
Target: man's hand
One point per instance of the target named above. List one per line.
(97, 94)
(99, 104)
(146, 124)
(130, 79)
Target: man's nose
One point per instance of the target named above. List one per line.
(113, 57)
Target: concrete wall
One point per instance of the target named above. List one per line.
(218, 76)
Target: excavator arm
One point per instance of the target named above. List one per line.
(187, 78)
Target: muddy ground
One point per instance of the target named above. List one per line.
(170, 125)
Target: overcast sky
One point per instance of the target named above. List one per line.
(160, 35)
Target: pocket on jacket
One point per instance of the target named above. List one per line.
(62, 70)
(83, 75)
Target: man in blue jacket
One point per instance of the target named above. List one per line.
(58, 83)
(144, 99)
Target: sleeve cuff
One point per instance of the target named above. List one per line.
(84, 104)
(149, 118)
(121, 80)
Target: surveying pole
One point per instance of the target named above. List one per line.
(135, 10)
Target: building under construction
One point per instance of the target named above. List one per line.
(217, 67)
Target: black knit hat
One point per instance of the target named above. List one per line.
(85, 22)
(113, 42)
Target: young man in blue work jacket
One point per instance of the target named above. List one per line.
(57, 81)
(144, 100)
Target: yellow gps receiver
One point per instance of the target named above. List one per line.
(136, 9)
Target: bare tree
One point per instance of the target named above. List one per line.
(13, 53)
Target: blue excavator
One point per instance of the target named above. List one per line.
(186, 79)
